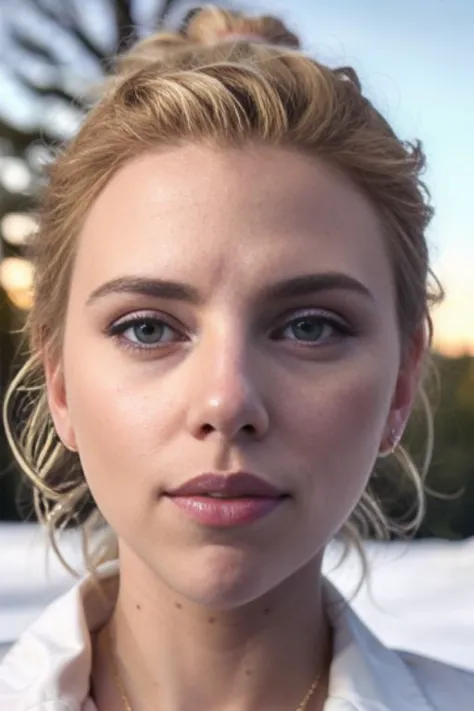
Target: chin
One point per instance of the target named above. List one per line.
(220, 577)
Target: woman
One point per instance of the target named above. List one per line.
(230, 326)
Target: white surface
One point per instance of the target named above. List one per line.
(420, 596)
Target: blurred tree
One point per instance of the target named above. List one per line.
(54, 56)
(452, 469)
(56, 51)
(450, 479)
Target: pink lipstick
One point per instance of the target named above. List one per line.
(224, 501)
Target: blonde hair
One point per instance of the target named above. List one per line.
(211, 82)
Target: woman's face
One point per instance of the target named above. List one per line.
(229, 311)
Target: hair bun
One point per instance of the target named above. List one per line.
(210, 24)
(204, 26)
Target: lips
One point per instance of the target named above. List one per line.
(231, 486)
(226, 501)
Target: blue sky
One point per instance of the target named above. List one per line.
(416, 62)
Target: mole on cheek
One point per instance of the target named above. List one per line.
(139, 607)
(178, 605)
(211, 620)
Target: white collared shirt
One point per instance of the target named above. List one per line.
(49, 668)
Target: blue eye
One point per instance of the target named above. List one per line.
(144, 332)
(308, 329)
(312, 329)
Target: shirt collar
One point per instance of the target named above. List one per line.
(50, 665)
(365, 675)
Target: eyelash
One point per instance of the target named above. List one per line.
(118, 328)
(340, 327)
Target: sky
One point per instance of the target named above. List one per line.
(416, 62)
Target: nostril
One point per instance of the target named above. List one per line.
(207, 429)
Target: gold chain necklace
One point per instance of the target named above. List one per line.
(126, 703)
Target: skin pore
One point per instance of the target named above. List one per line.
(230, 310)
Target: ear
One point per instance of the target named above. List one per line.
(408, 380)
(57, 401)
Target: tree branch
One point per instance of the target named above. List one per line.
(126, 32)
(49, 90)
(32, 47)
(69, 23)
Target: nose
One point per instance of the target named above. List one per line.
(226, 397)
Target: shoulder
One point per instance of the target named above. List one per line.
(445, 687)
(370, 675)
(48, 668)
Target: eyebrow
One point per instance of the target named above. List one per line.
(156, 288)
(303, 285)
(313, 283)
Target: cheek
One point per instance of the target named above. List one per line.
(334, 425)
(115, 400)
(119, 428)
(343, 404)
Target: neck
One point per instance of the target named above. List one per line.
(174, 655)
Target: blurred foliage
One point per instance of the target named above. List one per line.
(451, 474)
(449, 482)
(54, 56)
(57, 51)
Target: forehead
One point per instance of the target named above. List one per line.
(243, 216)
